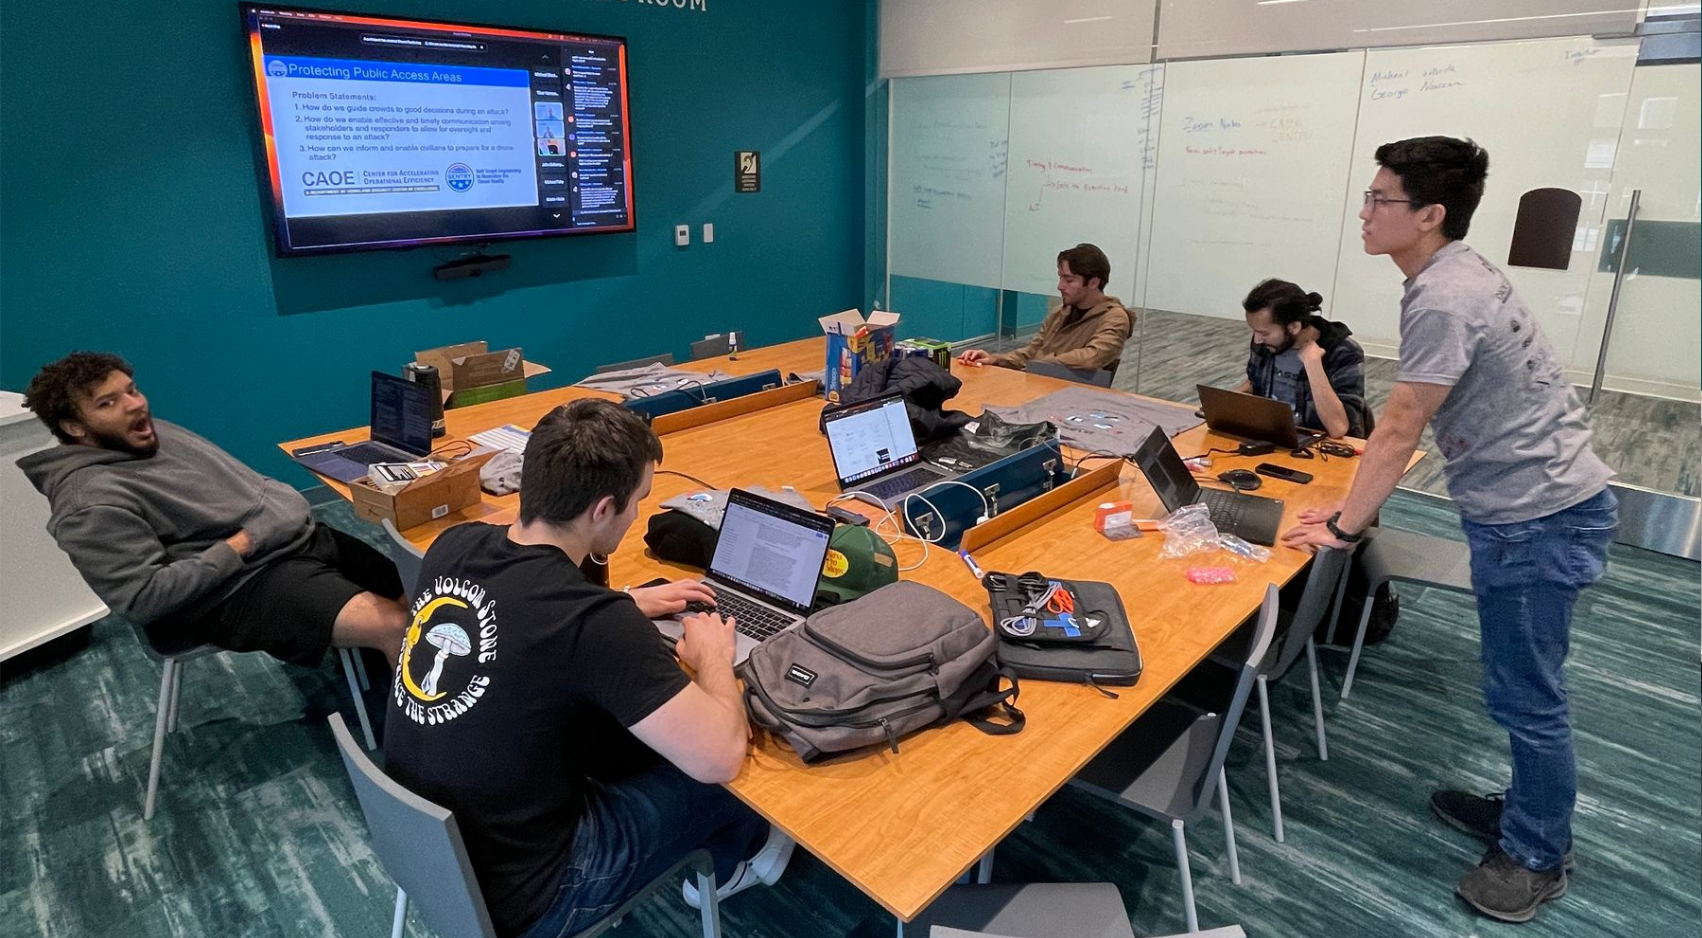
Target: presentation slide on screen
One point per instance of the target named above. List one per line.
(358, 137)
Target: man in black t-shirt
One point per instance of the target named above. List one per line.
(546, 712)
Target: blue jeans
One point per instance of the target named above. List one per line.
(633, 830)
(1527, 576)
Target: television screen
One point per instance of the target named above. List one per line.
(389, 133)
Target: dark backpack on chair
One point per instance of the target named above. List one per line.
(865, 673)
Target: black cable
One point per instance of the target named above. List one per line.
(463, 446)
(1226, 452)
(689, 478)
(1101, 453)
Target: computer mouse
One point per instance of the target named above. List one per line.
(1242, 480)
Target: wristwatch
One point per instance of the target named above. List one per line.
(1339, 534)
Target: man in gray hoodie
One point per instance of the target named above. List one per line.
(174, 533)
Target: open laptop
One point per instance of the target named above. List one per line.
(401, 432)
(1248, 516)
(1251, 417)
(874, 450)
(767, 561)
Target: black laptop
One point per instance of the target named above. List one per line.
(401, 432)
(1247, 516)
(1251, 417)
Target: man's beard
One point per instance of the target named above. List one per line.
(119, 442)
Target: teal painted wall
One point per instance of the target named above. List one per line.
(131, 217)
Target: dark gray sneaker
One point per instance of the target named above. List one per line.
(1477, 815)
(1505, 889)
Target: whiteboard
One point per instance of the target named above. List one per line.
(1549, 113)
(946, 178)
(1252, 159)
(1081, 154)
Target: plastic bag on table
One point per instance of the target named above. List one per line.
(1243, 549)
(1188, 530)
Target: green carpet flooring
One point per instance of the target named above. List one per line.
(258, 833)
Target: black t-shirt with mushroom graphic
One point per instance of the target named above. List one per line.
(516, 682)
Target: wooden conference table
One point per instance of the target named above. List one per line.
(903, 826)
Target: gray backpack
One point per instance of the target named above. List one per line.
(901, 658)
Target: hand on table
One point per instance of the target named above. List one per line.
(1321, 513)
(1310, 537)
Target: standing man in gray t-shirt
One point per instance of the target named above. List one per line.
(1532, 496)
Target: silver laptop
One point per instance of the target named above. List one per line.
(874, 451)
(767, 561)
(401, 432)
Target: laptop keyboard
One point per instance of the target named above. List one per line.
(758, 622)
(370, 453)
(1226, 508)
(901, 483)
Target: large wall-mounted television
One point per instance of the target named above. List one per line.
(391, 133)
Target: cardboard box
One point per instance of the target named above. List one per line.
(428, 498)
(472, 374)
(853, 342)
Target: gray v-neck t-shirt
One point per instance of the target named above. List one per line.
(1513, 431)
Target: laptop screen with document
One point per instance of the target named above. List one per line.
(401, 413)
(870, 438)
(773, 550)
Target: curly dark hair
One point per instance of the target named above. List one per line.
(54, 390)
(1440, 171)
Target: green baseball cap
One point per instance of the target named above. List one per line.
(858, 561)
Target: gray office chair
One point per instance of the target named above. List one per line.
(715, 346)
(405, 556)
(1034, 910)
(173, 653)
(1169, 762)
(1099, 378)
(666, 358)
(1323, 589)
(1388, 556)
(419, 844)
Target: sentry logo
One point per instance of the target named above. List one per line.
(277, 69)
(459, 176)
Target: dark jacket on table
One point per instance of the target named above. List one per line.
(925, 386)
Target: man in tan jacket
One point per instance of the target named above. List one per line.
(1087, 332)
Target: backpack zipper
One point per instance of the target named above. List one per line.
(840, 651)
(830, 718)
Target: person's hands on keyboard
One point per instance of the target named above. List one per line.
(672, 599)
(695, 606)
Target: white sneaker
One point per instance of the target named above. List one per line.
(763, 868)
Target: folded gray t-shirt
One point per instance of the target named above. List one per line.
(1512, 430)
